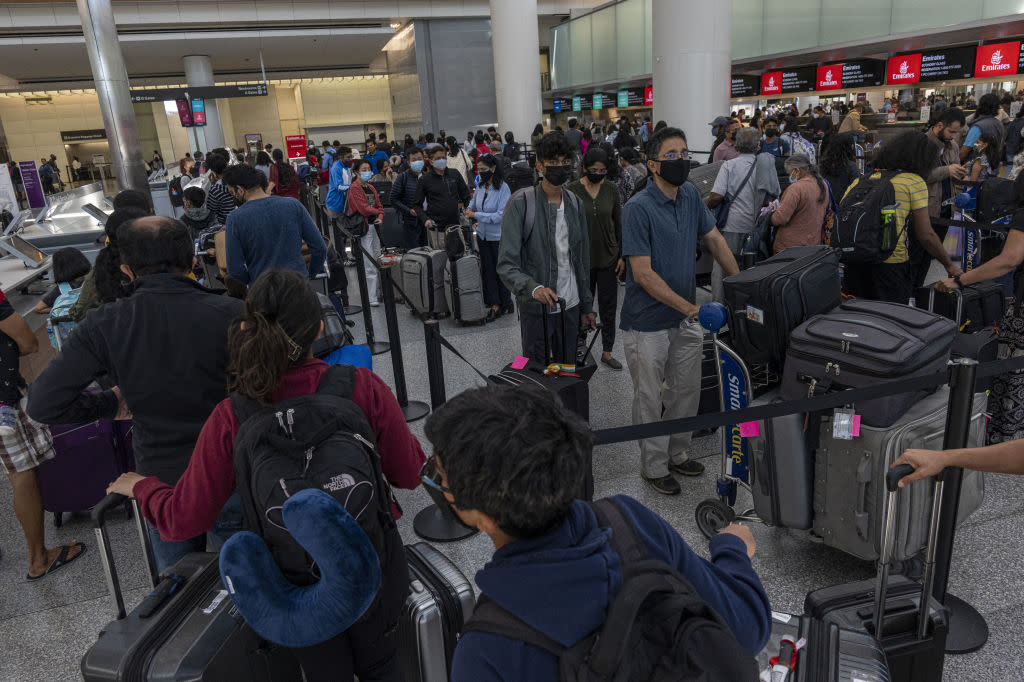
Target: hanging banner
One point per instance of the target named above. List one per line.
(185, 113)
(33, 186)
(295, 146)
(830, 77)
(997, 59)
(199, 112)
(771, 83)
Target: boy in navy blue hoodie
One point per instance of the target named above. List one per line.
(508, 460)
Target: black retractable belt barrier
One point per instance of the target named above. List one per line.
(435, 364)
(415, 409)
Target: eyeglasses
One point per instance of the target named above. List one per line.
(673, 156)
(566, 163)
(431, 477)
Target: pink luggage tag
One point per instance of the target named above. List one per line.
(855, 426)
(519, 362)
(750, 429)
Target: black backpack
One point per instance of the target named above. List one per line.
(174, 191)
(865, 229)
(320, 441)
(658, 628)
(996, 199)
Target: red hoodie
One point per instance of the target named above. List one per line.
(190, 508)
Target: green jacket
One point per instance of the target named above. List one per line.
(87, 298)
(525, 266)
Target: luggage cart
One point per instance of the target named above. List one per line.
(736, 392)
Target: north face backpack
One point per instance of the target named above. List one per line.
(865, 229)
(319, 441)
(658, 628)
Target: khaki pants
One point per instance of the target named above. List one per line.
(665, 368)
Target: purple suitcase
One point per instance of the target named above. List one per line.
(88, 457)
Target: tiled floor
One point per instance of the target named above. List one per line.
(45, 627)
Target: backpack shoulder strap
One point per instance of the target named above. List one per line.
(492, 619)
(530, 196)
(625, 542)
(338, 381)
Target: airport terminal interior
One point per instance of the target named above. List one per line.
(776, 98)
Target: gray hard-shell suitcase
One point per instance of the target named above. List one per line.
(423, 279)
(861, 343)
(440, 601)
(849, 485)
(191, 632)
(830, 654)
(464, 285)
(783, 470)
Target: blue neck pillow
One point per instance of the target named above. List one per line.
(293, 616)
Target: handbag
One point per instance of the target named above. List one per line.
(354, 224)
(722, 210)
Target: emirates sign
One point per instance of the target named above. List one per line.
(830, 77)
(904, 69)
(771, 83)
(998, 59)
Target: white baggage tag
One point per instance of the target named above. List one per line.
(842, 424)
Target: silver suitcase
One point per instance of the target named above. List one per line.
(423, 279)
(440, 600)
(463, 288)
(849, 485)
(783, 470)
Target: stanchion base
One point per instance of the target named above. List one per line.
(431, 524)
(416, 409)
(378, 347)
(968, 630)
(352, 310)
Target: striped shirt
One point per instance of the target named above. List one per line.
(220, 202)
(911, 195)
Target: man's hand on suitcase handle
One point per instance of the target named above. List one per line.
(546, 296)
(125, 484)
(743, 533)
(926, 463)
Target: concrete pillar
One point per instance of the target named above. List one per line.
(692, 65)
(516, 45)
(199, 73)
(111, 79)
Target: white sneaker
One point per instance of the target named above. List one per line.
(374, 304)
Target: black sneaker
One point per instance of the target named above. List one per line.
(611, 362)
(666, 485)
(688, 468)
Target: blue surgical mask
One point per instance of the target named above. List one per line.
(365, 176)
(417, 166)
(440, 164)
(792, 179)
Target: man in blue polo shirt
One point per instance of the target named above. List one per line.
(662, 338)
(374, 155)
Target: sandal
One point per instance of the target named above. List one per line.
(61, 561)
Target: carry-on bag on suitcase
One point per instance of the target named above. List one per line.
(783, 465)
(187, 628)
(849, 498)
(831, 654)
(908, 622)
(861, 343)
(768, 301)
(423, 280)
(440, 601)
(87, 458)
(391, 231)
(436, 237)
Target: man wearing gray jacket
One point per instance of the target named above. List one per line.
(544, 255)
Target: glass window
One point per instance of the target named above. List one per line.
(912, 15)
(561, 62)
(843, 20)
(603, 46)
(747, 17)
(790, 25)
(632, 42)
(580, 35)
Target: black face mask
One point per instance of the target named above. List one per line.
(771, 132)
(596, 178)
(675, 172)
(485, 177)
(556, 175)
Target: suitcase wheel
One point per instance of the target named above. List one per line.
(713, 515)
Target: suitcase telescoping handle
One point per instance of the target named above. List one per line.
(547, 340)
(959, 304)
(892, 479)
(99, 514)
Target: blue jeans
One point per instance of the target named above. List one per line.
(227, 524)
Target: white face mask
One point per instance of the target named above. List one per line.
(815, 115)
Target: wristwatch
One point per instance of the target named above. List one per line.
(959, 284)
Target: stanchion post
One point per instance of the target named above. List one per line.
(968, 630)
(415, 409)
(435, 365)
(376, 347)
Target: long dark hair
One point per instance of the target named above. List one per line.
(109, 280)
(538, 130)
(836, 155)
(263, 159)
(286, 175)
(993, 151)
(281, 321)
(911, 152)
(499, 175)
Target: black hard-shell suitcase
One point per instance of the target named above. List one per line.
(905, 614)
(439, 603)
(861, 343)
(783, 466)
(768, 301)
(186, 629)
(973, 308)
(831, 654)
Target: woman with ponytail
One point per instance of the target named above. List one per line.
(284, 181)
(800, 218)
(270, 361)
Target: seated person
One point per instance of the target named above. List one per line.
(70, 267)
(553, 566)
(271, 360)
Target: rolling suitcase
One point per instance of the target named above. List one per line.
(907, 621)
(783, 467)
(187, 628)
(830, 654)
(463, 280)
(436, 237)
(861, 343)
(423, 280)
(768, 301)
(88, 457)
(849, 498)
(439, 603)
(391, 231)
